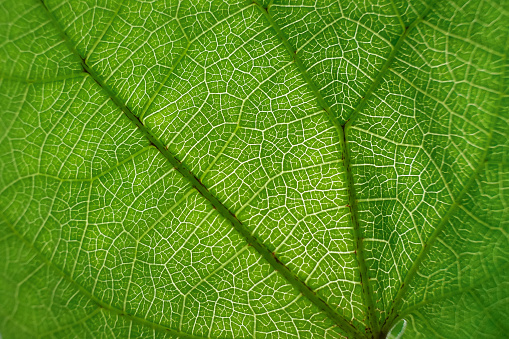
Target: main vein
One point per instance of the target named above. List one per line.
(367, 293)
(259, 246)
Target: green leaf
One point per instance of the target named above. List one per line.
(254, 169)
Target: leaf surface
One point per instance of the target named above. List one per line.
(254, 169)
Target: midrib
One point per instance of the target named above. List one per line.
(259, 246)
(342, 130)
(367, 294)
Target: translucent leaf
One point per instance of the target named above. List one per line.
(254, 169)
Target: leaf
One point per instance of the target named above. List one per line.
(210, 169)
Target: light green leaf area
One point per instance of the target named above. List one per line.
(223, 169)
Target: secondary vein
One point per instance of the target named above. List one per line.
(393, 313)
(101, 304)
(387, 64)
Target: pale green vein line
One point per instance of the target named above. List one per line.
(446, 296)
(219, 268)
(488, 312)
(138, 240)
(468, 41)
(161, 85)
(85, 229)
(293, 54)
(70, 325)
(395, 9)
(393, 312)
(271, 179)
(120, 163)
(483, 223)
(41, 80)
(387, 65)
(367, 28)
(178, 20)
(91, 179)
(55, 124)
(259, 246)
(238, 127)
(367, 293)
(7, 317)
(428, 326)
(181, 56)
(105, 29)
(221, 151)
(92, 297)
(179, 60)
(7, 129)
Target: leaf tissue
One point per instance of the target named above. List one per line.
(254, 169)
